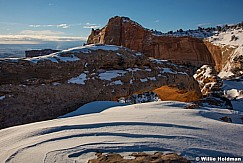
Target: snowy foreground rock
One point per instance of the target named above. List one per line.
(149, 127)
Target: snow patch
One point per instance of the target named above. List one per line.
(168, 70)
(117, 82)
(54, 57)
(93, 107)
(56, 83)
(91, 47)
(133, 69)
(144, 80)
(2, 97)
(108, 75)
(79, 79)
(151, 78)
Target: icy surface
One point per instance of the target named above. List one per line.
(157, 126)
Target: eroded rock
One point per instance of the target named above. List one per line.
(46, 87)
(181, 50)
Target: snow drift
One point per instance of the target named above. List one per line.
(156, 126)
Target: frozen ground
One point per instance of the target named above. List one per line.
(156, 126)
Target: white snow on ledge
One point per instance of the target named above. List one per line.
(91, 47)
(56, 57)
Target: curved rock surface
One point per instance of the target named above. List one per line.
(182, 50)
(46, 87)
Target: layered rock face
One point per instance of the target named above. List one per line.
(183, 50)
(46, 87)
(211, 87)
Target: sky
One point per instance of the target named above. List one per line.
(38, 21)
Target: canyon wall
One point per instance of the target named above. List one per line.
(182, 50)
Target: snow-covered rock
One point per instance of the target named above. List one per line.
(233, 90)
(140, 98)
(209, 82)
(149, 127)
(231, 43)
(59, 83)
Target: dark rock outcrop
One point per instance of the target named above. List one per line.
(182, 50)
(36, 53)
(43, 88)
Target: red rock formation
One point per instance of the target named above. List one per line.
(124, 32)
(216, 53)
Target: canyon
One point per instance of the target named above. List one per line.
(45, 87)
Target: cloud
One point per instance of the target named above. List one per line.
(36, 37)
(43, 32)
(89, 25)
(65, 26)
(203, 24)
(156, 21)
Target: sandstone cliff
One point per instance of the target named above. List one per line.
(183, 50)
(46, 87)
(228, 43)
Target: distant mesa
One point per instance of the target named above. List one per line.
(36, 53)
